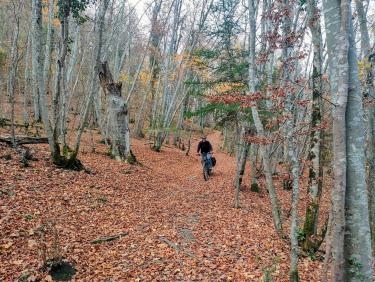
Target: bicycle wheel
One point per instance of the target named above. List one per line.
(205, 173)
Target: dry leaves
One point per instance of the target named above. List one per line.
(205, 237)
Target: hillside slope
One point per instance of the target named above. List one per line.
(178, 226)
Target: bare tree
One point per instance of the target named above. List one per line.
(14, 64)
(37, 27)
(264, 149)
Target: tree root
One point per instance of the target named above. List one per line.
(109, 238)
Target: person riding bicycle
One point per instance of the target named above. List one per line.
(205, 150)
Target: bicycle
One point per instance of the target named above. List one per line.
(207, 165)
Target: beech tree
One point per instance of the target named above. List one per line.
(350, 235)
(287, 84)
(368, 58)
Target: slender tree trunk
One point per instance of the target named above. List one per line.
(27, 83)
(242, 155)
(140, 118)
(252, 160)
(66, 98)
(154, 58)
(102, 11)
(37, 28)
(291, 144)
(316, 170)
(293, 275)
(276, 212)
(42, 83)
(14, 56)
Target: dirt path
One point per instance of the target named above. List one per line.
(180, 227)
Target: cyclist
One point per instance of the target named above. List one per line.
(205, 150)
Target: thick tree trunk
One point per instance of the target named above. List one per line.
(119, 132)
(351, 248)
(337, 44)
(60, 90)
(369, 93)
(357, 240)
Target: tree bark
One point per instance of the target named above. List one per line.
(95, 69)
(26, 119)
(14, 54)
(242, 155)
(357, 238)
(350, 234)
(276, 212)
(368, 93)
(316, 170)
(37, 28)
(119, 131)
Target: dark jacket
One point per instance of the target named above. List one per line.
(204, 147)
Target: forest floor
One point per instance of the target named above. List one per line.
(174, 225)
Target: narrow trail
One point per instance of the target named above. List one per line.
(180, 227)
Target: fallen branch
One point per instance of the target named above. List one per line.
(7, 122)
(169, 243)
(109, 238)
(176, 247)
(22, 140)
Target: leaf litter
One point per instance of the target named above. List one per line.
(166, 222)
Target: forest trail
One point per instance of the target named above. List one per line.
(179, 226)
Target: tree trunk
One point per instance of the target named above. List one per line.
(27, 83)
(369, 93)
(316, 170)
(37, 28)
(60, 89)
(95, 69)
(357, 240)
(242, 155)
(276, 212)
(119, 132)
(66, 98)
(254, 186)
(293, 274)
(154, 58)
(14, 65)
(350, 234)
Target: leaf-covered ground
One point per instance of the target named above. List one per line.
(179, 227)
